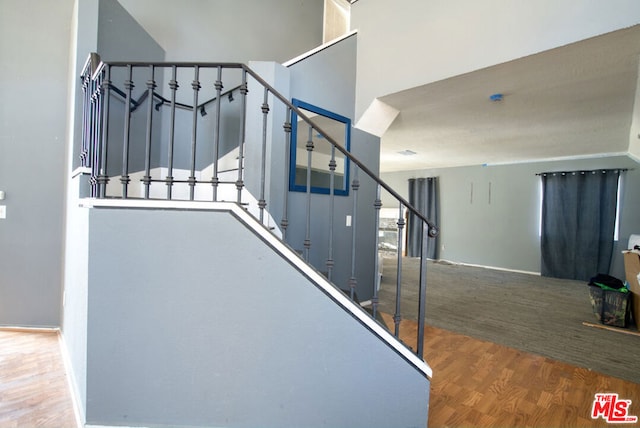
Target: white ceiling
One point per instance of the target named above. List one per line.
(572, 101)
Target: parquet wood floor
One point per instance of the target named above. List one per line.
(482, 384)
(475, 384)
(33, 387)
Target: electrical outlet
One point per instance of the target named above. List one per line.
(3, 211)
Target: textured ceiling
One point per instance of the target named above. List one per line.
(572, 101)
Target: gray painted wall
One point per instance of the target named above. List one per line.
(33, 98)
(76, 292)
(231, 31)
(272, 350)
(365, 147)
(205, 125)
(276, 174)
(106, 28)
(121, 38)
(89, 18)
(185, 31)
(76, 251)
(504, 233)
(327, 80)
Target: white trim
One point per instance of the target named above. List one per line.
(527, 272)
(284, 250)
(156, 204)
(112, 426)
(318, 49)
(78, 411)
(80, 170)
(29, 329)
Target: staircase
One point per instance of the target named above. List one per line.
(162, 167)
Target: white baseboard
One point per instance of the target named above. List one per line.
(29, 329)
(490, 267)
(78, 411)
(110, 426)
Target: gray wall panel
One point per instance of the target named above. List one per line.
(96, 23)
(327, 80)
(33, 100)
(194, 320)
(231, 31)
(121, 38)
(504, 232)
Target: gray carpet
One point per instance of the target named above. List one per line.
(532, 313)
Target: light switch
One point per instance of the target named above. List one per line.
(3, 211)
(348, 221)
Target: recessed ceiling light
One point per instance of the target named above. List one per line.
(407, 152)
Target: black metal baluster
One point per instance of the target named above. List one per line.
(86, 117)
(95, 141)
(151, 85)
(284, 223)
(422, 297)
(128, 86)
(353, 282)
(262, 203)
(173, 85)
(103, 178)
(307, 239)
(93, 137)
(377, 205)
(216, 137)
(332, 199)
(243, 120)
(194, 131)
(397, 317)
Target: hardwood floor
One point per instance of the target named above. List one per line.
(482, 384)
(33, 387)
(476, 383)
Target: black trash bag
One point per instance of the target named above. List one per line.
(607, 280)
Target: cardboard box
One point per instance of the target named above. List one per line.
(632, 270)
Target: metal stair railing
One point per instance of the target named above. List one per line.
(112, 134)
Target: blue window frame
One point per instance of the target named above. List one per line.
(339, 128)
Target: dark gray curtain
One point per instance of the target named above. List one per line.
(578, 221)
(423, 195)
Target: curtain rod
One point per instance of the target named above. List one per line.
(593, 171)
